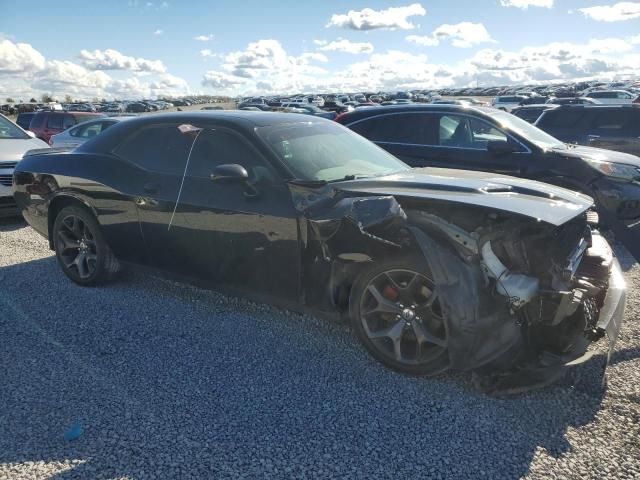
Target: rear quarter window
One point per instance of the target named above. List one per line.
(417, 129)
(561, 118)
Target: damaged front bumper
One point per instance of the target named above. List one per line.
(548, 367)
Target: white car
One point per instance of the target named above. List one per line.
(76, 136)
(612, 96)
(14, 143)
(507, 102)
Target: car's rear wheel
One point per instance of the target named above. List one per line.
(81, 250)
(396, 314)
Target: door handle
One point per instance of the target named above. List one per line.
(150, 188)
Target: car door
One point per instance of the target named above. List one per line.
(243, 236)
(409, 136)
(158, 154)
(614, 129)
(462, 141)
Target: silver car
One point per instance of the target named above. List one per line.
(76, 136)
(14, 142)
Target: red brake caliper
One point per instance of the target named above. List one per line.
(390, 293)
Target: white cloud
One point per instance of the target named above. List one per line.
(524, 4)
(158, 32)
(556, 61)
(423, 40)
(19, 58)
(635, 40)
(305, 58)
(208, 53)
(613, 13)
(62, 78)
(204, 38)
(221, 80)
(346, 46)
(462, 35)
(110, 59)
(368, 19)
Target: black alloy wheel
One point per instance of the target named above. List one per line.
(80, 247)
(396, 314)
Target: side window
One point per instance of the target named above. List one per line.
(37, 121)
(158, 148)
(624, 95)
(407, 128)
(530, 115)
(54, 122)
(218, 147)
(451, 130)
(614, 120)
(467, 132)
(88, 131)
(483, 132)
(68, 122)
(561, 118)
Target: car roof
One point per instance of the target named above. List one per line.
(538, 105)
(598, 106)
(414, 107)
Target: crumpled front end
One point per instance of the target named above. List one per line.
(522, 299)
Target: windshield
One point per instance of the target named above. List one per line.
(327, 151)
(9, 130)
(526, 130)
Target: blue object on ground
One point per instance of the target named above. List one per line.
(74, 432)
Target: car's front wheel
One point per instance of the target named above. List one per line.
(395, 312)
(81, 250)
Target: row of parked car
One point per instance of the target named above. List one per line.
(467, 137)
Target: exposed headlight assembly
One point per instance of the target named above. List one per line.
(616, 170)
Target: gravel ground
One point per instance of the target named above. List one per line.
(169, 381)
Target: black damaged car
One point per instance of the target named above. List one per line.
(436, 269)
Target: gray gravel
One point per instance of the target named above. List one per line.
(169, 381)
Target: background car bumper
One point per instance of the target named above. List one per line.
(8, 206)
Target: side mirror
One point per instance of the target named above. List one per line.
(232, 173)
(30, 133)
(500, 147)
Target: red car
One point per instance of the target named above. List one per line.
(47, 124)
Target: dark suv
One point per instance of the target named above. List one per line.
(476, 138)
(616, 127)
(46, 124)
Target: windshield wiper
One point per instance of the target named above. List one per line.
(353, 176)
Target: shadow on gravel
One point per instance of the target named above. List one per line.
(169, 381)
(625, 355)
(8, 224)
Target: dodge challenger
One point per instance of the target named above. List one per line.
(436, 269)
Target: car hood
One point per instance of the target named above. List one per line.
(533, 199)
(599, 154)
(13, 149)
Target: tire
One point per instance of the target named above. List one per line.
(81, 250)
(396, 316)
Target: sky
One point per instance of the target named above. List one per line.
(131, 49)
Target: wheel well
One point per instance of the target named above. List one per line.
(344, 275)
(57, 204)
